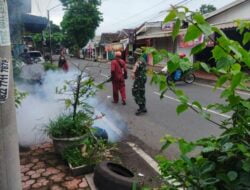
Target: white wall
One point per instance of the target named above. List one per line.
(241, 11)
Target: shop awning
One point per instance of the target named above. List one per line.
(34, 23)
(159, 34)
(154, 35)
(226, 25)
(182, 31)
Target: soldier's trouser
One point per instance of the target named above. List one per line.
(138, 91)
(119, 86)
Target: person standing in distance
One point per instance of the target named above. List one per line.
(62, 62)
(139, 75)
(118, 76)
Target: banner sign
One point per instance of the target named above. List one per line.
(114, 47)
(4, 80)
(167, 26)
(190, 44)
(4, 24)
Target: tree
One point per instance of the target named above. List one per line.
(204, 9)
(211, 163)
(67, 3)
(57, 37)
(80, 21)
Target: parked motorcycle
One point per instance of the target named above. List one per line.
(187, 76)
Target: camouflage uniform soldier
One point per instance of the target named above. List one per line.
(140, 79)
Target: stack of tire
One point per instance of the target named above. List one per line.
(111, 176)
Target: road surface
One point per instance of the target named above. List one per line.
(161, 118)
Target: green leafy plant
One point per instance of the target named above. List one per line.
(17, 66)
(74, 156)
(48, 66)
(77, 92)
(65, 126)
(19, 97)
(57, 38)
(204, 9)
(79, 116)
(90, 152)
(222, 162)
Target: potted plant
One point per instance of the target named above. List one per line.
(78, 163)
(67, 130)
(83, 158)
(72, 127)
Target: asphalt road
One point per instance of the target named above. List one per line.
(161, 118)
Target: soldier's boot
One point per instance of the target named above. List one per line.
(141, 110)
(144, 109)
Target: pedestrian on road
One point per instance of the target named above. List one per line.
(139, 75)
(62, 63)
(118, 76)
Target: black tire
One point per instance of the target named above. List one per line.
(170, 80)
(189, 78)
(111, 176)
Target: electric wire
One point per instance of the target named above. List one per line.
(182, 2)
(160, 14)
(145, 19)
(138, 13)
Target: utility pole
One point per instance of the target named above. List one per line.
(49, 24)
(10, 176)
(48, 11)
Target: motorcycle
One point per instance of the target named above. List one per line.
(186, 76)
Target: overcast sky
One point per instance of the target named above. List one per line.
(119, 14)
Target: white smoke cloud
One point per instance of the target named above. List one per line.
(42, 104)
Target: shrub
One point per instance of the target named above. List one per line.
(90, 152)
(48, 66)
(19, 97)
(65, 126)
(73, 155)
(17, 66)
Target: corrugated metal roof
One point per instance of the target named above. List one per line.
(107, 38)
(225, 8)
(34, 23)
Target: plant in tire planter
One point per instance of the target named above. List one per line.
(71, 128)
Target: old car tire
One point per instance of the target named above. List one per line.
(111, 176)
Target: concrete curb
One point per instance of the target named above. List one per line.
(90, 180)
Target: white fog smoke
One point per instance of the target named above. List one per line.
(43, 104)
